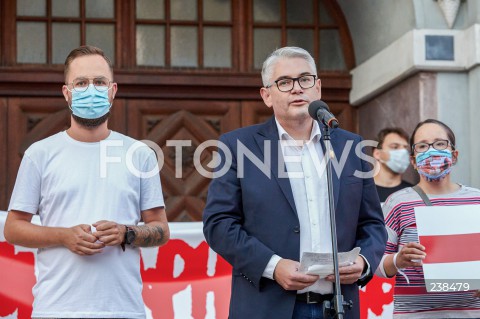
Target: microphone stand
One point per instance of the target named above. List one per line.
(334, 308)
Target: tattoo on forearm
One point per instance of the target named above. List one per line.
(149, 236)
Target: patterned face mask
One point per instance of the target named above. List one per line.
(433, 164)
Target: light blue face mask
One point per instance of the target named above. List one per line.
(399, 160)
(90, 104)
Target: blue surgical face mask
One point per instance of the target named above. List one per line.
(399, 160)
(433, 164)
(90, 104)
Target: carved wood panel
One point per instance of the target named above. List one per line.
(24, 121)
(30, 120)
(255, 112)
(33, 119)
(194, 122)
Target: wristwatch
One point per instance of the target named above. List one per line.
(129, 238)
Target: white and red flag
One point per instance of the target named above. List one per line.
(451, 236)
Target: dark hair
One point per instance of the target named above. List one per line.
(85, 50)
(450, 134)
(390, 130)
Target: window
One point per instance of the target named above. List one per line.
(47, 30)
(185, 35)
(304, 23)
(181, 33)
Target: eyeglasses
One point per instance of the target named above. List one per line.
(287, 84)
(439, 145)
(102, 84)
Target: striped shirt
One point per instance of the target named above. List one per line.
(411, 300)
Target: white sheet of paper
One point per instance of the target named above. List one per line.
(321, 264)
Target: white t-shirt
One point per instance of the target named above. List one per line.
(69, 183)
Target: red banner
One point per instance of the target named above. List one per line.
(181, 280)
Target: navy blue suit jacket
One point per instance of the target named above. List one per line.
(248, 219)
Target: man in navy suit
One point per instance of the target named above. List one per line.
(268, 202)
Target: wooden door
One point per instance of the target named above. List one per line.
(24, 121)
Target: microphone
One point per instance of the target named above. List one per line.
(320, 112)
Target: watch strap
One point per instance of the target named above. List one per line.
(124, 238)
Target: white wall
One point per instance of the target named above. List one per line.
(453, 110)
(474, 121)
(429, 16)
(375, 24)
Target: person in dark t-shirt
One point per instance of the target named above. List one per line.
(392, 155)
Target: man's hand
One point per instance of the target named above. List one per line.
(109, 233)
(287, 275)
(349, 274)
(79, 240)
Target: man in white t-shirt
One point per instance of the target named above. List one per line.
(91, 187)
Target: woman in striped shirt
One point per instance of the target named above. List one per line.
(433, 154)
